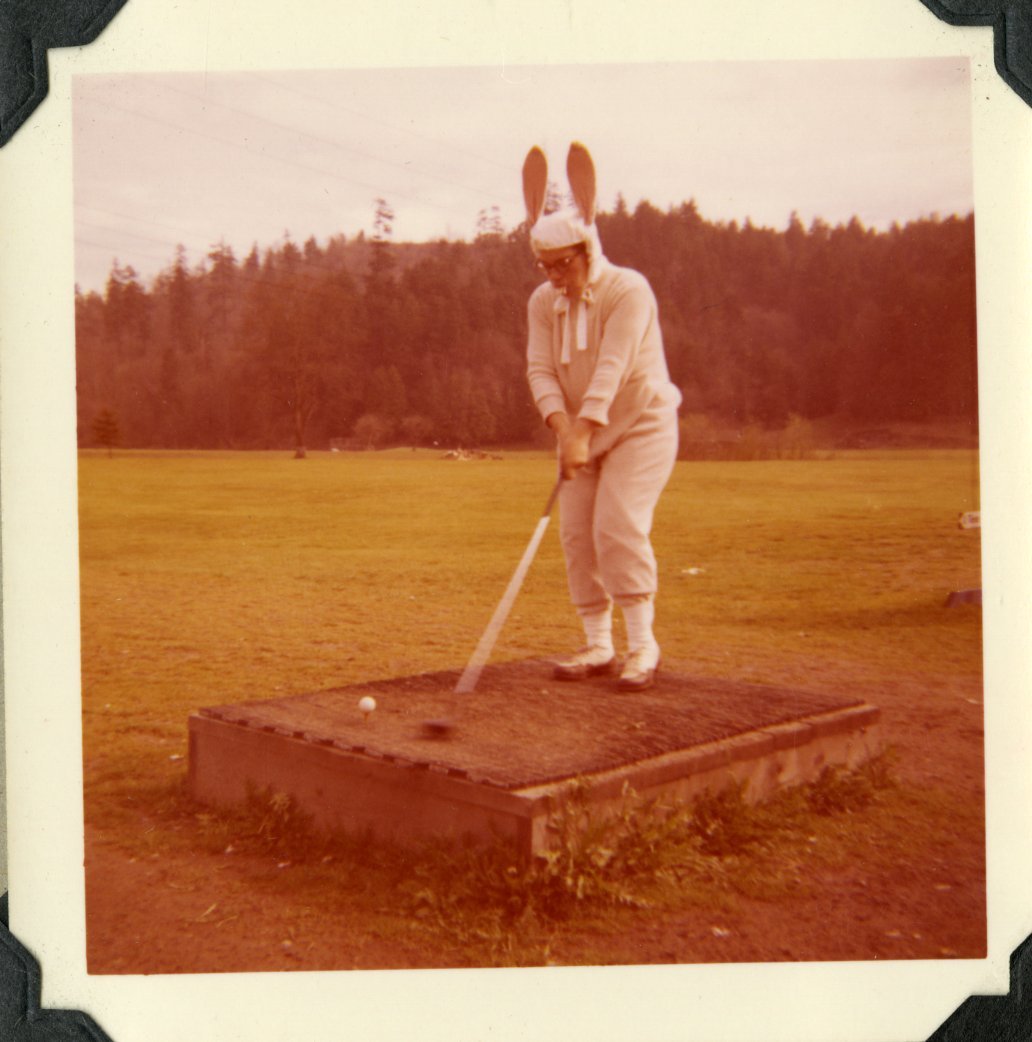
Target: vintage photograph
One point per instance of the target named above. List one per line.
(529, 520)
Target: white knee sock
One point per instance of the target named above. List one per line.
(598, 629)
(638, 619)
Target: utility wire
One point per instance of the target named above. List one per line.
(337, 107)
(378, 190)
(407, 167)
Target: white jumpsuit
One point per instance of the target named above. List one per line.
(619, 380)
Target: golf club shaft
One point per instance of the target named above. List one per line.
(482, 652)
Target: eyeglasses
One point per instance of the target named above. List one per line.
(559, 266)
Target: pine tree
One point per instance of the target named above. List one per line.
(105, 430)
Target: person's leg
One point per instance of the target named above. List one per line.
(576, 522)
(632, 478)
(589, 596)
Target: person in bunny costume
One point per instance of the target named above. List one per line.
(598, 375)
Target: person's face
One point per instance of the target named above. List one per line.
(566, 268)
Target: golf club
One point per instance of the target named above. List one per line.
(480, 655)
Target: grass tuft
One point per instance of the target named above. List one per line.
(725, 823)
(837, 791)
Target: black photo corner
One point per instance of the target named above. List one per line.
(28, 29)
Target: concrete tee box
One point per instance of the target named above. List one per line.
(385, 778)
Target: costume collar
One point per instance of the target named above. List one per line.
(575, 335)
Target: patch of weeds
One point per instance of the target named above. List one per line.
(280, 824)
(881, 769)
(725, 823)
(268, 822)
(606, 859)
(484, 898)
(838, 792)
(479, 904)
(842, 792)
(472, 898)
(728, 826)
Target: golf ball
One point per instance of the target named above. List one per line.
(367, 704)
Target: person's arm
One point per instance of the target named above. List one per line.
(541, 375)
(573, 438)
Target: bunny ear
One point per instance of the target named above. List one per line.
(580, 171)
(535, 183)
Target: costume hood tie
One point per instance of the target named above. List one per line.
(575, 336)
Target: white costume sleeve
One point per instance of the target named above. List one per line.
(541, 373)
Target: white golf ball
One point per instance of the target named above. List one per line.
(367, 703)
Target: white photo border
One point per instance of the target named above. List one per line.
(868, 1001)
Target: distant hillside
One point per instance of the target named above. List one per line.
(386, 342)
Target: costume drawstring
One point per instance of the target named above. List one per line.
(578, 336)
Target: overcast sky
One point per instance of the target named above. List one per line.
(196, 158)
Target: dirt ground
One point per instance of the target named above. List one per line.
(185, 909)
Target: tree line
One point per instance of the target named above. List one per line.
(366, 341)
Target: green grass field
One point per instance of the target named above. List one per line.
(209, 578)
(214, 577)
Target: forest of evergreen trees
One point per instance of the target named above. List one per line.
(371, 342)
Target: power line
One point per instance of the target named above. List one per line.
(80, 241)
(377, 190)
(252, 152)
(80, 207)
(381, 122)
(134, 235)
(407, 167)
